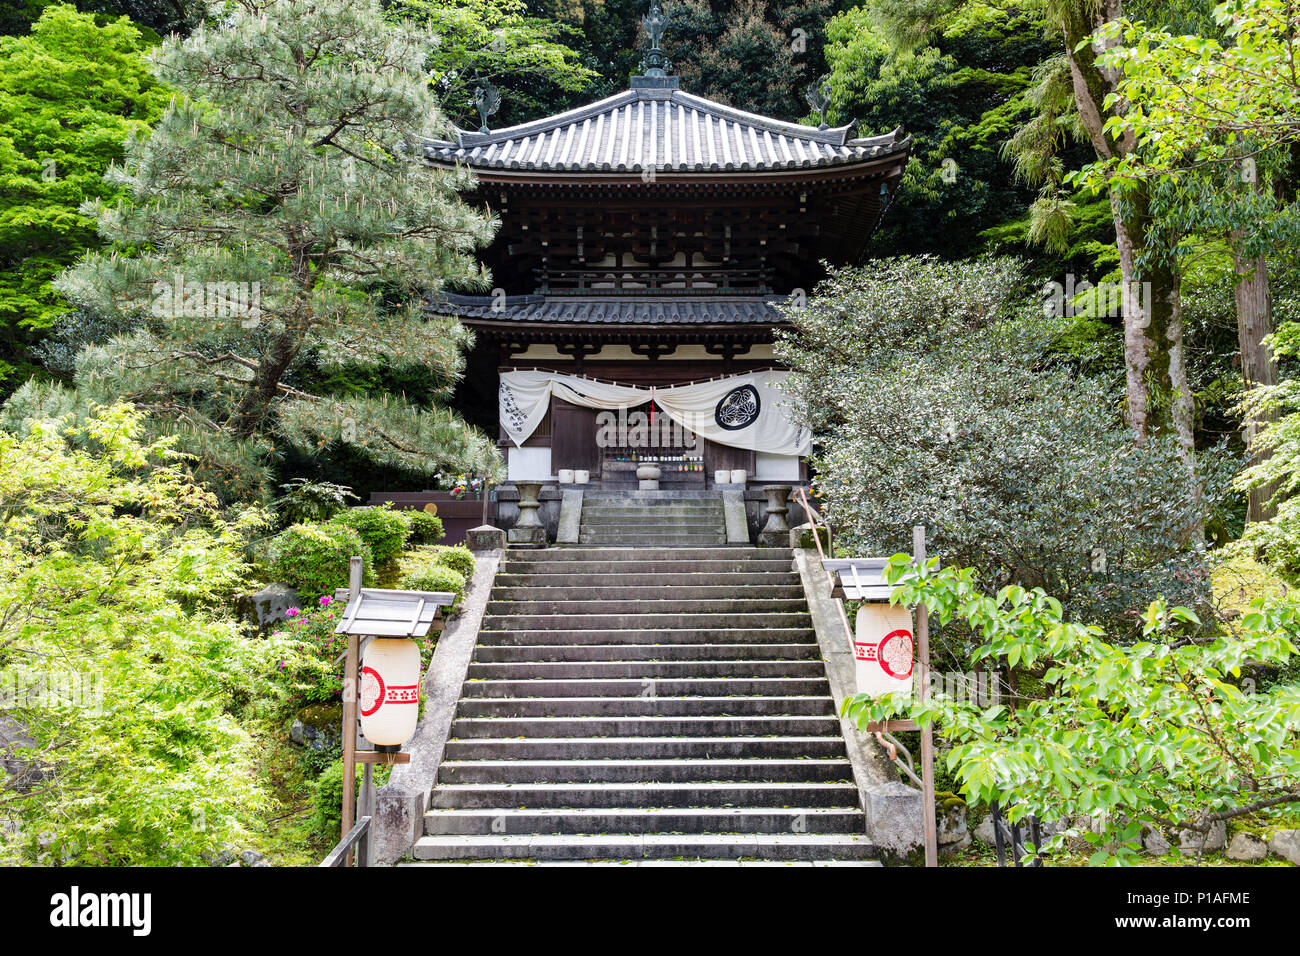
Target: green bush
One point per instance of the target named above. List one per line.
(458, 557)
(313, 558)
(327, 803)
(434, 577)
(425, 528)
(382, 528)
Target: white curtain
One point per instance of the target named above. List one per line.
(743, 411)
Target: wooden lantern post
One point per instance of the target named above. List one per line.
(927, 732)
(350, 671)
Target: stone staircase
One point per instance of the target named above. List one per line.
(654, 706)
(654, 519)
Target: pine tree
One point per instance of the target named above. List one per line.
(279, 222)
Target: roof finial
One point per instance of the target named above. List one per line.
(655, 63)
(818, 96)
(487, 100)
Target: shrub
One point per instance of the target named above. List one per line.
(458, 557)
(317, 678)
(327, 803)
(306, 500)
(382, 528)
(425, 528)
(117, 577)
(435, 577)
(313, 558)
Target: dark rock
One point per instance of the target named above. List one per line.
(250, 857)
(267, 607)
(318, 727)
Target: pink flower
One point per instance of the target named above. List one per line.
(325, 599)
(293, 611)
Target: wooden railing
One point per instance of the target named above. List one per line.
(358, 837)
(653, 278)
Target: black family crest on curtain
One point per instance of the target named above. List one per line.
(738, 409)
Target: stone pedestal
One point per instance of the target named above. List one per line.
(485, 538)
(528, 532)
(648, 477)
(776, 533)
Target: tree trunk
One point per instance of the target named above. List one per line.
(255, 405)
(1258, 366)
(1159, 399)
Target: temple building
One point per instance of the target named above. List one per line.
(645, 241)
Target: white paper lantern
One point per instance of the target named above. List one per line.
(388, 698)
(722, 477)
(566, 476)
(581, 477)
(739, 476)
(883, 650)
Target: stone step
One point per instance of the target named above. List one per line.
(680, 580)
(504, 653)
(823, 769)
(594, 820)
(645, 845)
(650, 687)
(424, 864)
(613, 590)
(643, 748)
(664, 670)
(685, 635)
(639, 622)
(650, 498)
(563, 572)
(561, 708)
(632, 538)
(737, 606)
(466, 728)
(594, 566)
(673, 518)
(559, 555)
(661, 517)
(652, 794)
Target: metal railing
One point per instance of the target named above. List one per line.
(1008, 836)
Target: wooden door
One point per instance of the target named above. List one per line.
(573, 437)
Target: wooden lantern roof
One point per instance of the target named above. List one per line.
(381, 612)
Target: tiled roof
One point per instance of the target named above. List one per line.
(613, 310)
(666, 129)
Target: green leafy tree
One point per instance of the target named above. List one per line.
(125, 681)
(752, 54)
(1204, 116)
(961, 98)
(934, 398)
(529, 59)
(157, 17)
(1161, 735)
(279, 220)
(1159, 397)
(71, 93)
